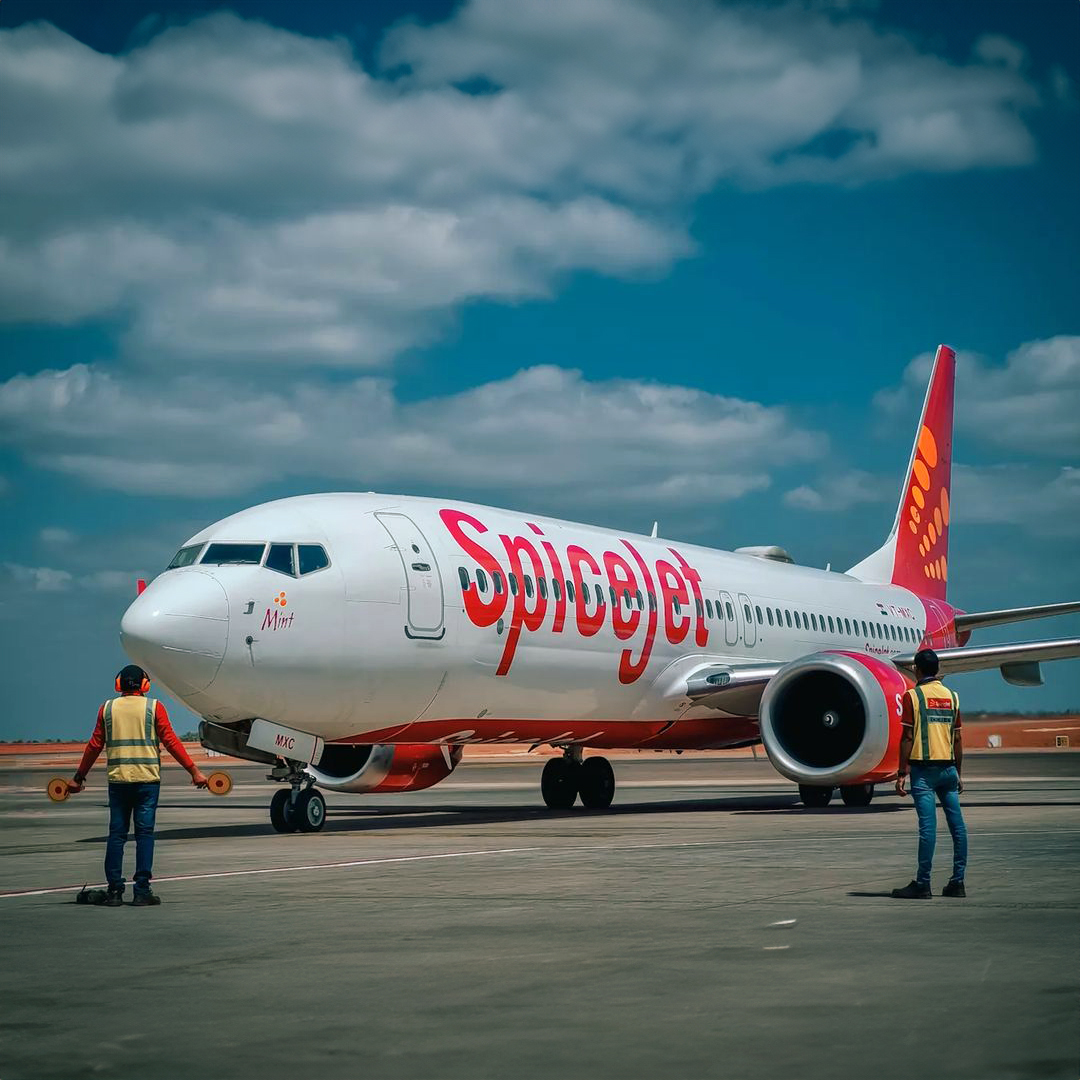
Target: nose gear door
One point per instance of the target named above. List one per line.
(423, 582)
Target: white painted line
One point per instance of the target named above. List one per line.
(784, 922)
(774, 948)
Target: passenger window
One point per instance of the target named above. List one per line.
(768, 611)
(675, 605)
(847, 626)
(730, 610)
(541, 585)
(614, 598)
(697, 608)
(787, 618)
(463, 577)
(652, 601)
(481, 580)
(757, 610)
(528, 586)
(813, 621)
(234, 554)
(312, 557)
(185, 556)
(626, 597)
(831, 628)
(599, 597)
(640, 601)
(280, 558)
(497, 580)
(798, 624)
(556, 588)
(570, 590)
(746, 612)
(513, 584)
(708, 607)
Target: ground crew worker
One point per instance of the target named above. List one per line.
(132, 728)
(932, 748)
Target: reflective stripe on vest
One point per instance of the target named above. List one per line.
(935, 708)
(131, 742)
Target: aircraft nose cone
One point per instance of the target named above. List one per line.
(178, 629)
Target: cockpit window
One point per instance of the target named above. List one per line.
(280, 558)
(185, 556)
(222, 554)
(312, 557)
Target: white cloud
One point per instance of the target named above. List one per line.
(544, 431)
(841, 491)
(1031, 404)
(1042, 501)
(234, 191)
(56, 537)
(39, 578)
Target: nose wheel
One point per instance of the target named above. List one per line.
(300, 809)
(567, 777)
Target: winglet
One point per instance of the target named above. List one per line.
(915, 555)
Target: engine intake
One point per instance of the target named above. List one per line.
(833, 718)
(383, 767)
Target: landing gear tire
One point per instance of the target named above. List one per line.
(815, 796)
(309, 810)
(281, 813)
(559, 783)
(596, 782)
(856, 794)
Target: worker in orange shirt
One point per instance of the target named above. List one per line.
(131, 729)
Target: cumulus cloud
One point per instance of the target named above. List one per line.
(56, 537)
(233, 191)
(541, 431)
(1044, 502)
(39, 578)
(1030, 404)
(841, 491)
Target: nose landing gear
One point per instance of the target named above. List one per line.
(300, 809)
(565, 778)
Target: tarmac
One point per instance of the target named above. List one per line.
(705, 926)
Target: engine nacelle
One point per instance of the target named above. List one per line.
(834, 718)
(383, 767)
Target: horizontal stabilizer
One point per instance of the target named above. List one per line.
(1016, 661)
(977, 620)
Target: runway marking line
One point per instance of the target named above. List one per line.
(551, 849)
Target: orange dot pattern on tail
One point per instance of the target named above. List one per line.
(928, 510)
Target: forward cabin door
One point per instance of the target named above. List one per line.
(423, 582)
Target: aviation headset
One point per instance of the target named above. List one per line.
(131, 678)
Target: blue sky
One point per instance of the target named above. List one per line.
(614, 260)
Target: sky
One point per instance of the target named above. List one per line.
(609, 260)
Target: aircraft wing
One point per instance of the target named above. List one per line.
(732, 688)
(1019, 662)
(976, 620)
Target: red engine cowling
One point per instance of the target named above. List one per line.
(834, 718)
(356, 768)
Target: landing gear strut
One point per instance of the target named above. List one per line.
(302, 808)
(565, 778)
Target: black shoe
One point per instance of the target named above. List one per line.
(913, 891)
(145, 898)
(954, 888)
(114, 898)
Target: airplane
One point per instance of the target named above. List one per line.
(357, 642)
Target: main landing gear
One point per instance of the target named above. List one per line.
(300, 809)
(814, 796)
(565, 778)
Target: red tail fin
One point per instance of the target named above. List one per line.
(916, 552)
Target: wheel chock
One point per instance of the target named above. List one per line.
(57, 789)
(219, 783)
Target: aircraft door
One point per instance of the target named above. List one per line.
(731, 621)
(423, 582)
(749, 626)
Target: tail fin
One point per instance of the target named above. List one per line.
(916, 553)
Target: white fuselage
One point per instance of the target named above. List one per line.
(407, 621)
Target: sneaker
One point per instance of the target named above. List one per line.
(913, 891)
(114, 898)
(145, 898)
(954, 888)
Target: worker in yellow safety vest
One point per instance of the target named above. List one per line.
(131, 729)
(932, 748)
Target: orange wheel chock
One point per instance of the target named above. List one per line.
(219, 783)
(57, 789)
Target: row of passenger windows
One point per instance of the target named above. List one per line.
(295, 560)
(718, 610)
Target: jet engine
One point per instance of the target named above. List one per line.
(383, 768)
(834, 718)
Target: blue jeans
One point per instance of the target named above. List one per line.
(926, 782)
(139, 799)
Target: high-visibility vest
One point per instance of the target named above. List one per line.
(131, 742)
(935, 708)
